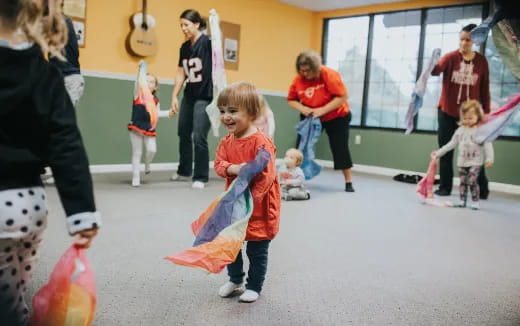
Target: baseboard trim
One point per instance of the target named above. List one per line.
(118, 168)
(120, 76)
(368, 169)
(162, 81)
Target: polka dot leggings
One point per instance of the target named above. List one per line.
(23, 217)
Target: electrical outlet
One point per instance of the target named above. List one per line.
(357, 140)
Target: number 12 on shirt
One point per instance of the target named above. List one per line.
(192, 69)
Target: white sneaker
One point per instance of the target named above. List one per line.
(198, 185)
(227, 289)
(475, 206)
(49, 181)
(460, 204)
(249, 296)
(147, 168)
(136, 182)
(177, 177)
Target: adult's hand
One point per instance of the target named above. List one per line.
(319, 112)
(174, 107)
(307, 111)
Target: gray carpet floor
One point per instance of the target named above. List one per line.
(374, 257)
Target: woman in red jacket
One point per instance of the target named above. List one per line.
(319, 90)
(465, 76)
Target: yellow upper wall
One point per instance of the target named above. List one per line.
(317, 26)
(272, 34)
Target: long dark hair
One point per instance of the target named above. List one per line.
(468, 28)
(193, 16)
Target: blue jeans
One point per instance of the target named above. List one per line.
(257, 253)
(194, 126)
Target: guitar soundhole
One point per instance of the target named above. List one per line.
(144, 26)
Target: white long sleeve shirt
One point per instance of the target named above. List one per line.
(297, 177)
(470, 153)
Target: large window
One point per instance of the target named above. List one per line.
(347, 53)
(393, 68)
(502, 84)
(396, 46)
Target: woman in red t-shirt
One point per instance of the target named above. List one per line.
(319, 90)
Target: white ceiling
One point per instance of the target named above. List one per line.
(324, 5)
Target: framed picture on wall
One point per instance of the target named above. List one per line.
(75, 8)
(79, 28)
(230, 50)
(77, 11)
(231, 44)
(231, 38)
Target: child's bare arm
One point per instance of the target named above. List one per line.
(136, 84)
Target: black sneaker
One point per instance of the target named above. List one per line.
(348, 187)
(442, 192)
(484, 195)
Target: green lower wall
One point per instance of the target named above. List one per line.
(105, 108)
(104, 113)
(393, 149)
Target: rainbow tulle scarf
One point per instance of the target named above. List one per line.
(221, 229)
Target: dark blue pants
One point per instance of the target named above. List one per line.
(257, 253)
(194, 126)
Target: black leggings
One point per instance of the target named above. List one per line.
(338, 132)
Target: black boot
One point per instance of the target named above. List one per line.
(348, 187)
(442, 192)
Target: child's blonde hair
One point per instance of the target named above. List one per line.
(49, 31)
(241, 95)
(262, 104)
(472, 106)
(298, 154)
(156, 80)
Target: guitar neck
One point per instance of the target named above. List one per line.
(144, 10)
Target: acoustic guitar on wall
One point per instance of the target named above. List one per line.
(142, 40)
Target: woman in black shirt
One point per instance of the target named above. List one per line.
(195, 69)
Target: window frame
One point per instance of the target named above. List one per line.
(422, 38)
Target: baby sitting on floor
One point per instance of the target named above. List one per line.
(292, 177)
